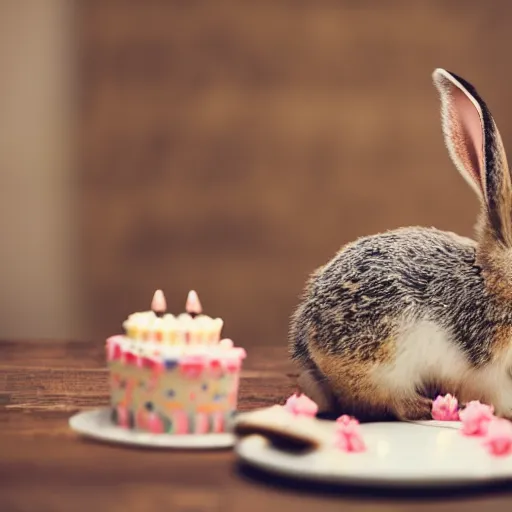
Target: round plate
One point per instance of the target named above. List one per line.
(98, 425)
(398, 454)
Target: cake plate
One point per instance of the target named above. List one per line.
(98, 425)
(423, 454)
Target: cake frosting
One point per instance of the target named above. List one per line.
(173, 374)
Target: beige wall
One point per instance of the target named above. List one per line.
(36, 200)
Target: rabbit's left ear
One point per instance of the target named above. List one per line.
(476, 148)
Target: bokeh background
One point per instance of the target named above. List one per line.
(229, 147)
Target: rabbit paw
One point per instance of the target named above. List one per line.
(414, 408)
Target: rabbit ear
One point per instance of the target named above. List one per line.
(476, 149)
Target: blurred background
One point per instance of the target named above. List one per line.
(229, 147)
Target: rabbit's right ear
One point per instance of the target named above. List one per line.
(476, 149)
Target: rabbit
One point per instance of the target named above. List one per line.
(398, 316)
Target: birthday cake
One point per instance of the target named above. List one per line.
(173, 374)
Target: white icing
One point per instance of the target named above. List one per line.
(155, 350)
(183, 329)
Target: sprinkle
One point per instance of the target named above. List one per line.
(159, 304)
(170, 364)
(499, 437)
(193, 306)
(192, 366)
(445, 408)
(301, 405)
(475, 418)
(348, 437)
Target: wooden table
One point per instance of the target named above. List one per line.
(45, 467)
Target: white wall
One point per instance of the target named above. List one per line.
(36, 180)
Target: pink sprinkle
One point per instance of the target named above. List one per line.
(348, 435)
(445, 408)
(301, 405)
(475, 418)
(193, 305)
(159, 304)
(499, 437)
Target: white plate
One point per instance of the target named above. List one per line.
(398, 454)
(98, 425)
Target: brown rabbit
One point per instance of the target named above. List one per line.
(397, 316)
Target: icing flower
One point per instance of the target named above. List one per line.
(499, 437)
(445, 408)
(192, 366)
(301, 405)
(346, 420)
(475, 418)
(348, 437)
(226, 343)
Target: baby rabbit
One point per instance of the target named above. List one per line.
(397, 314)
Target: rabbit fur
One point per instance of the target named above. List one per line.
(397, 317)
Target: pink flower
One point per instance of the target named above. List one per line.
(445, 408)
(193, 366)
(348, 435)
(499, 437)
(301, 405)
(475, 418)
(346, 420)
(155, 424)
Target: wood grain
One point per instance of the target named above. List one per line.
(234, 147)
(44, 466)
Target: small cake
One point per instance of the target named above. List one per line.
(173, 374)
